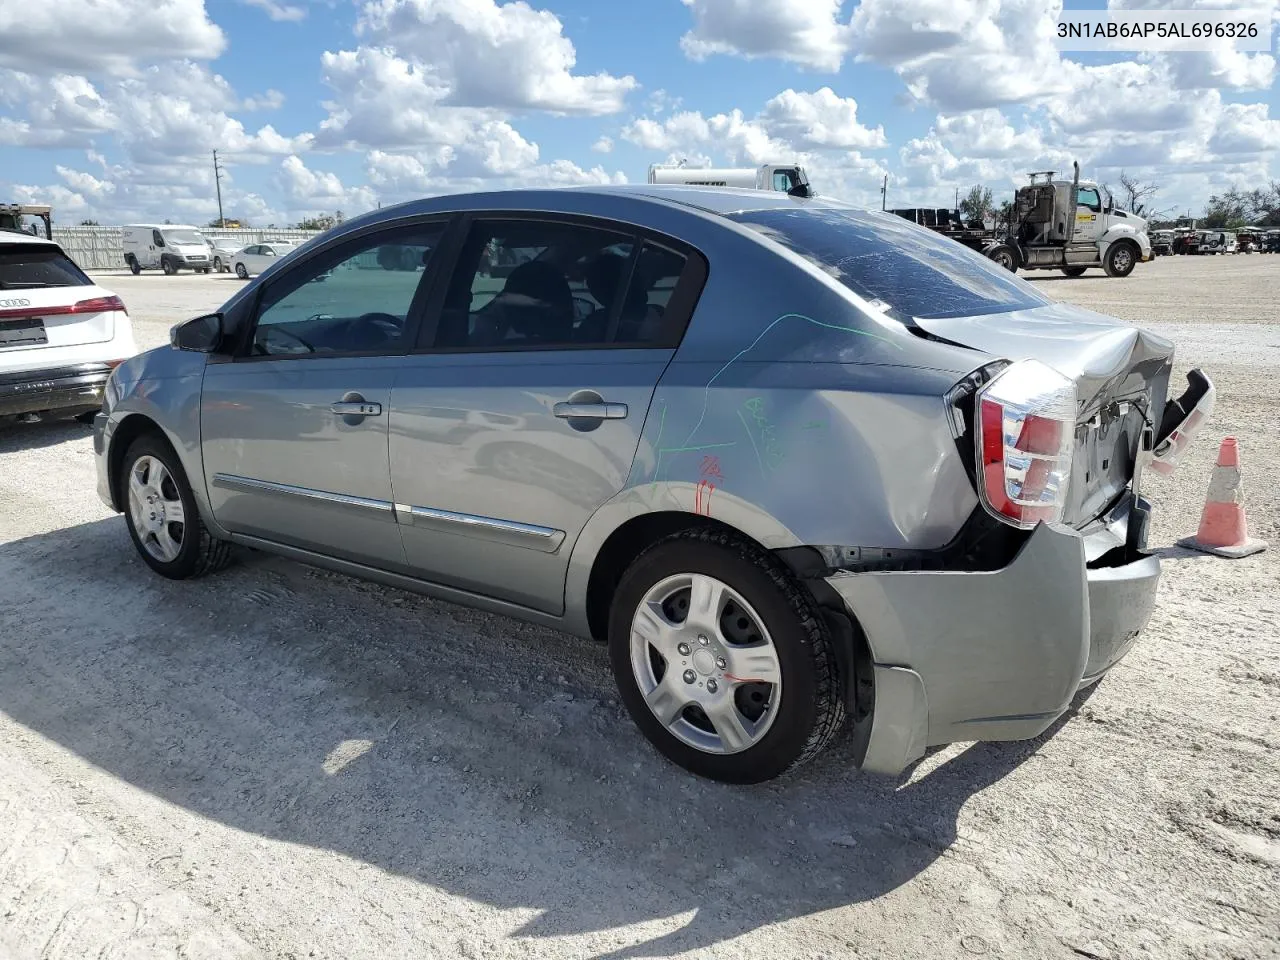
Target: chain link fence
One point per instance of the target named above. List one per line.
(99, 248)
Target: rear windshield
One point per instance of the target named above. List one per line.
(902, 269)
(25, 266)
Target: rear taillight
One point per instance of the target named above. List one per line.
(1194, 408)
(1025, 434)
(97, 305)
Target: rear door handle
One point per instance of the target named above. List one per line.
(356, 408)
(569, 410)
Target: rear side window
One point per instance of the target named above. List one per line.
(27, 266)
(528, 284)
(898, 267)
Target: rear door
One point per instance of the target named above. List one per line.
(294, 428)
(522, 413)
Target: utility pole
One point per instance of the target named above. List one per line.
(884, 191)
(957, 198)
(217, 181)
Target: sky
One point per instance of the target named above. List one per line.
(110, 109)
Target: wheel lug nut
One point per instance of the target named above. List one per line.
(711, 686)
(690, 676)
(684, 649)
(703, 640)
(721, 662)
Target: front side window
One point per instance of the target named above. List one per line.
(784, 180)
(526, 284)
(901, 269)
(1088, 197)
(348, 300)
(156, 238)
(32, 266)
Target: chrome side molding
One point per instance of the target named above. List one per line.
(510, 532)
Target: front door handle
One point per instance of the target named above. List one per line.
(356, 408)
(569, 410)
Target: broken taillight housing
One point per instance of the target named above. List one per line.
(1183, 418)
(1025, 435)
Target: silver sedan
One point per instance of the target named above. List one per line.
(795, 463)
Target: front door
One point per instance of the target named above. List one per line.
(1088, 215)
(294, 429)
(525, 414)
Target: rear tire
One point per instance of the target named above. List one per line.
(134, 267)
(217, 264)
(1121, 258)
(1074, 271)
(151, 485)
(780, 709)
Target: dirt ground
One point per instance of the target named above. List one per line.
(281, 762)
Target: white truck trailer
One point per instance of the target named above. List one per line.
(788, 178)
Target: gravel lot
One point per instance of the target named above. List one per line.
(281, 762)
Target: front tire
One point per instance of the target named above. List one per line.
(217, 264)
(241, 272)
(1005, 255)
(167, 266)
(725, 664)
(162, 515)
(1121, 258)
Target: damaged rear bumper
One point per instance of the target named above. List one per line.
(994, 655)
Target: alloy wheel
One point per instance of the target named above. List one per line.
(156, 509)
(705, 664)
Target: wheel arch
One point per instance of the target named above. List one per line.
(636, 534)
(129, 429)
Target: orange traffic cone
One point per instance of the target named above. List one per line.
(1223, 530)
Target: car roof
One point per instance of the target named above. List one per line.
(714, 200)
(14, 236)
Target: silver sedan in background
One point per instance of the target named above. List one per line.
(805, 469)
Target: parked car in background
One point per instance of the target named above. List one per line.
(1162, 242)
(1270, 242)
(792, 461)
(60, 333)
(169, 247)
(1218, 241)
(256, 257)
(223, 251)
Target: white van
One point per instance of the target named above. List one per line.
(784, 177)
(169, 246)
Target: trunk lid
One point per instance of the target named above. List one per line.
(1121, 374)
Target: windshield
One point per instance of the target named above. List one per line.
(183, 236)
(28, 266)
(898, 267)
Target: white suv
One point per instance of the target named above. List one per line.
(61, 335)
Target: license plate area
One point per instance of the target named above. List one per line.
(26, 332)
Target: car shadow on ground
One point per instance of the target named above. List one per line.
(423, 739)
(48, 432)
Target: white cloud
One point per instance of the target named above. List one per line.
(114, 36)
(603, 145)
(819, 119)
(281, 12)
(268, 100)
(1245, 129)
(507, 56)
(313, 191)
(807, 32)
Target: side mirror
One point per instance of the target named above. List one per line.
(201, 335)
